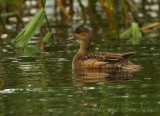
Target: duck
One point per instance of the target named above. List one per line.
(84, 59)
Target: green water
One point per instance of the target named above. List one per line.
(43, 84)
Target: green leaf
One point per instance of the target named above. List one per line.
(43, 3)
(30, 29)
(47, 37)
(136, 34)
(126, 33)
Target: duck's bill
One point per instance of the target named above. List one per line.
(72, 37)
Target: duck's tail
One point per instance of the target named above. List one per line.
(131, 66)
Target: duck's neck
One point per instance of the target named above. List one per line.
(84, 47)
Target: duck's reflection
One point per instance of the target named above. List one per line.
(101, 75)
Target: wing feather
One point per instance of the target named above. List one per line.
(107, 57)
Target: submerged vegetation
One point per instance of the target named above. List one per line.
(122, 18)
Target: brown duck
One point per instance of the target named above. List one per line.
(102, 60)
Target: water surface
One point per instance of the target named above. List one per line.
(43, 84)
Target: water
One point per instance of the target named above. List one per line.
(44, 84)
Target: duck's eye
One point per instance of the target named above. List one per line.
(81, 30)
(78, 30)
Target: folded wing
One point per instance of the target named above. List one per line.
(108, 57)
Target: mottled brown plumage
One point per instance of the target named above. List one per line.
(86, 59)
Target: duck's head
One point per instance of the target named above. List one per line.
(82, 34)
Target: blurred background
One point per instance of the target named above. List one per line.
(109, 18)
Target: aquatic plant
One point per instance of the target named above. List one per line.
(25, 35)
(134, 33)
(31, 28)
